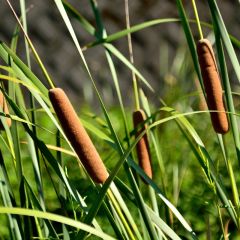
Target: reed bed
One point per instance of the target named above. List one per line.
(72, 171)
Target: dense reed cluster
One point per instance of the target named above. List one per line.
(192, 189)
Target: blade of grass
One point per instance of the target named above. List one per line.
(130, 176)
(35, 156)
(84, 22)
(228, 91)
(125, 32)
(232, 116)
(126, 211)
(123, 59)
(120, 34)
(154, 217)
(216, 15)
(109, 47)
(140, 171)
(68, 24)
(56, 218)
(21, 70)
(8, 197)
(45, 73)
(206, 162)
(189, 38)
(36, 205)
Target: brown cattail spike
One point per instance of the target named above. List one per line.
(78, 136)
(212, 85)
(143, 151)
(4, 109)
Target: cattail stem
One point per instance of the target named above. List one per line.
(130, 49)
(212, 85)
(143, 151)
(197, 19)
(120, 214)
(78, 136)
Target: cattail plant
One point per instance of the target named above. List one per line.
(143, 151)
(212, 85)
(4, 109)
(78, 136)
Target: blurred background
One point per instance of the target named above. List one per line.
(159, 52)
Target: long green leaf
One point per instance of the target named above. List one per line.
(189, 38)
(56, 218)
(224, 35)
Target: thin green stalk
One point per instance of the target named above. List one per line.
(119, 212)
(59, 158)
(228, 163)
(35, 156)
(218, 20)
(136, 95)
(137, 194)
(120, 149)
(103, 34)
(14, 127)
(125, 210)
(220, 218)
(50, 82)
(232, 117)
(107, 206)
(130, 49)
(234, 188)
(24, 23)
(124, 155)
(8, 200)
(140, 202)
(197, 19)
(56, 218)
(36, 159)
(157, 149)
(190, 40)
(153, 198)
(227, 90)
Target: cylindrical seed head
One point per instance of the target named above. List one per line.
(212, 85)
(143, 151)
(78, 136)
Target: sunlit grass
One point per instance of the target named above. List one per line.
(45, 193)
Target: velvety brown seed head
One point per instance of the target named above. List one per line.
(143, 151)
(4, 108)
(78, 136)
(212, 85)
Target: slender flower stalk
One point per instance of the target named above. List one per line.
(78, 136)
(212, 85)
(4, 109)
(143, 151)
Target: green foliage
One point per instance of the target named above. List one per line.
(45, 192)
